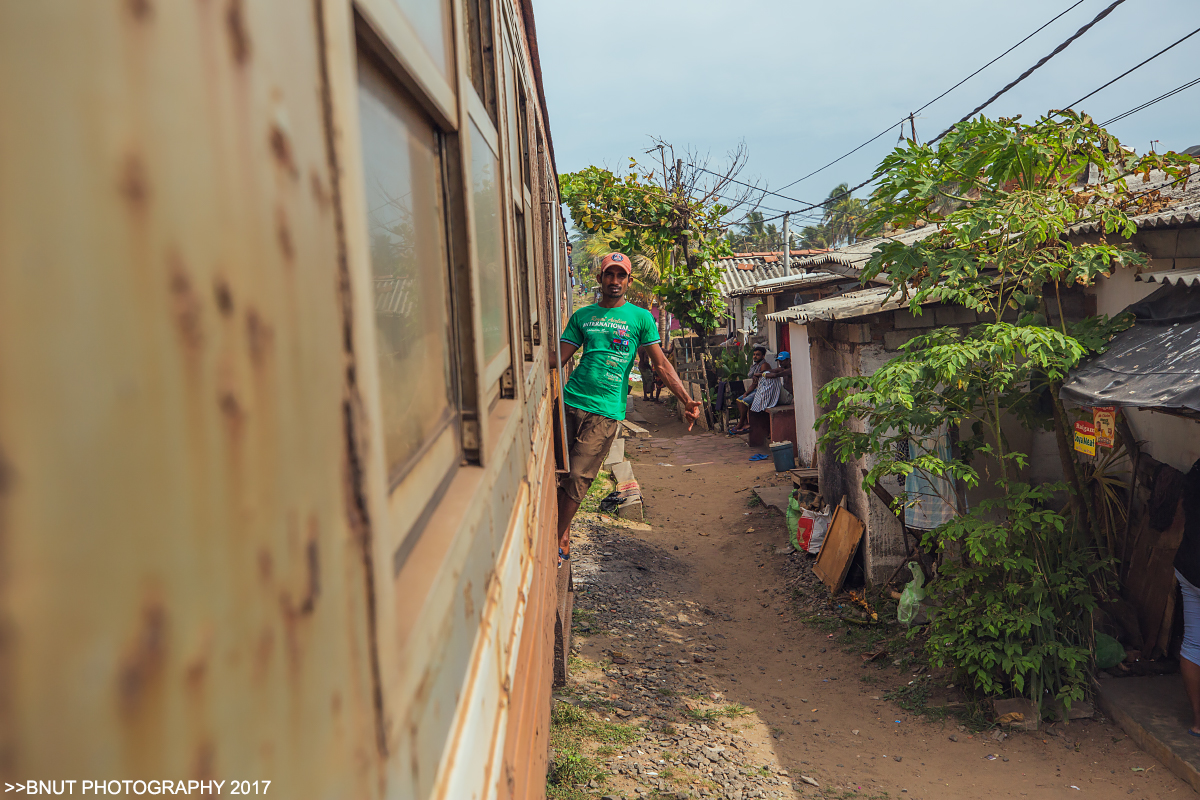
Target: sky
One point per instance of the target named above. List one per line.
(803, 82)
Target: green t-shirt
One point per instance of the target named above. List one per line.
(610, 338)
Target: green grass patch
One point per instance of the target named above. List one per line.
(577, 738)
(600, 489)
(753, 500)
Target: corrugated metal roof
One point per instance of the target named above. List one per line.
(746, 269)
(1183, 203)
(1182, 277)
(844, 306)
(807, 281)
(855, 256)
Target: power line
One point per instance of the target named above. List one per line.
(1131, 69)
(1002, 55)
(940, 96)
(747, 185)
(1111, 7)
(1149, 103)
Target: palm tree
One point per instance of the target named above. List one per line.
(815, 237)
(844, 215)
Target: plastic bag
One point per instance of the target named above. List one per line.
(792, 516)
(819, 529)
(911, 597)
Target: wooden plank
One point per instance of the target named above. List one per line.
(833, 562)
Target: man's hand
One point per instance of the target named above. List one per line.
(692, 412)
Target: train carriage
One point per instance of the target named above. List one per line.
(278, 284)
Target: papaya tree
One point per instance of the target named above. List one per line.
(1015, 607)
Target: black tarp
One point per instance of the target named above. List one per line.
(1154, 364)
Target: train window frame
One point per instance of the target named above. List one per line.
(479, 27)
(381, 27)
(416, 486)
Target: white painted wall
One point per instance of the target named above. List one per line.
(1167, 438)
(805, 395)
(1113, 294)
(772, 337)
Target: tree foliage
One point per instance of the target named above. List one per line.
(658, 219)
(1015, 608)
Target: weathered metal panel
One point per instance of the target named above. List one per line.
(184, 592)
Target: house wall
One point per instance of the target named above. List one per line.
(805, 395)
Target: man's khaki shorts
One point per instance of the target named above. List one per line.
(589, 437)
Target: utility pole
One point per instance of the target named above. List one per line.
(787, 247)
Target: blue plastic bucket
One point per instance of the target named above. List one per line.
(785, 457)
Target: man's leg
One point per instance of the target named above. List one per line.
(592, 439)
(566, 512)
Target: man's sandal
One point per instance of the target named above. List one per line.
(562, 557)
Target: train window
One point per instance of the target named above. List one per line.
(431, 22)
(527, 311)
(514, 134)
(489, 254)
(407, 239)
(481, 54)
(523, 131)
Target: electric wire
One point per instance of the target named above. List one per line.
(1149, 103)
(1108, 10)
(1131, 69)
(940, 96)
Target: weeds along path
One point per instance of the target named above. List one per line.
(699, 670)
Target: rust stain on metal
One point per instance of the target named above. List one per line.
(133, 183)
(8, 733)
(314, 574)
(318, 189)
(468, 602)
(142, 665)
(284, 234)
(232, 412)
(185, 304)
(141, 10)
(259, 336)
(239, 35)
(353, 470)
(266, 565)
(281, 147)
(204, 765)
(223, 296)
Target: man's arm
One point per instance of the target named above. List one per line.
(778, 373)
(664, 370)
(565, 351)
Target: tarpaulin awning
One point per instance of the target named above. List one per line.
(1154, 364)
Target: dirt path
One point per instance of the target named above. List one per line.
(686, 627)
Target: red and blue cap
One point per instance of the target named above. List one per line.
(618, 260)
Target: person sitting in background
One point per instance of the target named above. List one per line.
(770, 385)
(760, 366)
(1187, 572)
(782, 373)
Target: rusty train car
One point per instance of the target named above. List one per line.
(278, 283)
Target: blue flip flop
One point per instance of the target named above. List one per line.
(1193, 733)
(562, 557)
(758, 457)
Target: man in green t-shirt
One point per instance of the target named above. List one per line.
(610, 333)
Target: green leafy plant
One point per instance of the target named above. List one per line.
(734, 363)
(1013, 611)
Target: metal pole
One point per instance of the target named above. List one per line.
(787, 247)
(555, 253)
